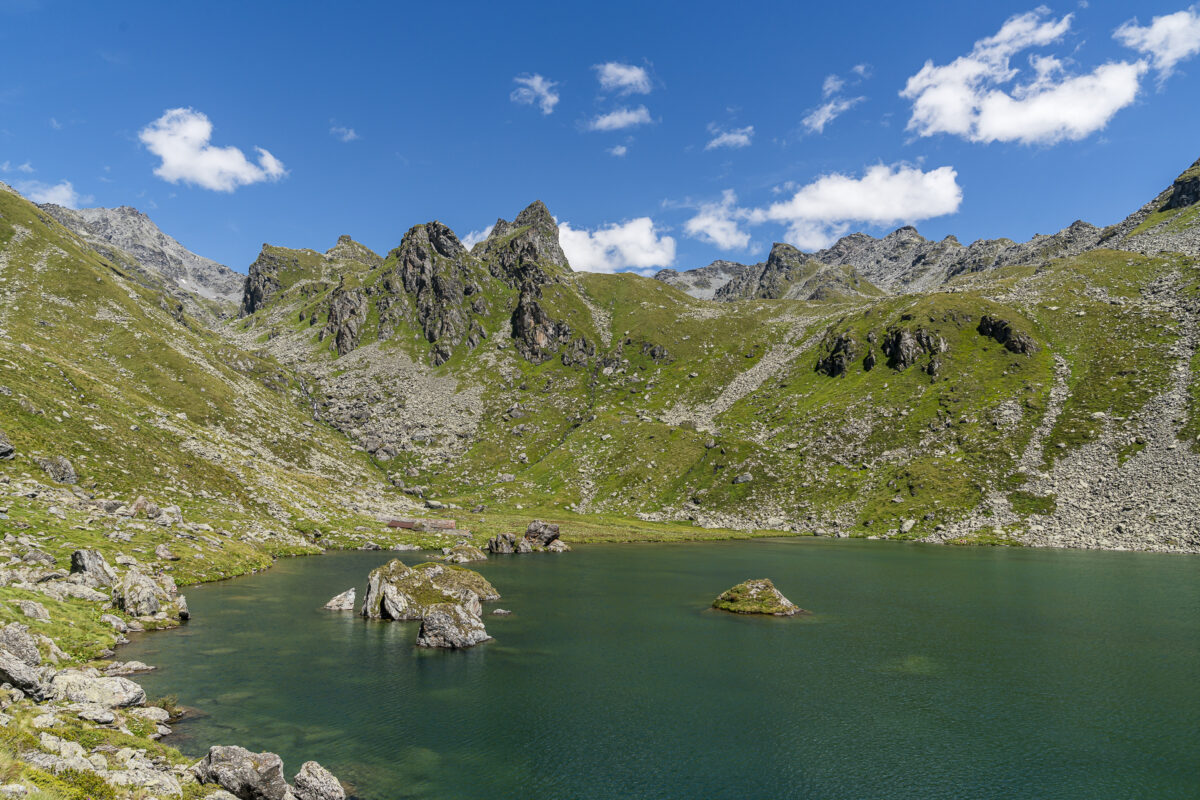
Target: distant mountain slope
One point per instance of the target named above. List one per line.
(155, 255)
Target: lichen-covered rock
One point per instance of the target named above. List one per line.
(33, 609)
(347, 312)
(342, 602)
(839, 352)
(314, 782)
(465, 554)
(502, 543)
(138, 595)
(89, 686)
(92, 569)
(757, 596)
(450, 625)
(540, 534)
(399, 592)
(904, 347)
(250, 776)
(15, 671)
(558, 546)
(59, 469)
(163, 552)
(15, 638)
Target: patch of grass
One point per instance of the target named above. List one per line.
(1026, 503)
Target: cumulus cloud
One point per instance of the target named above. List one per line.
(475, 237)
(634, 244)
(735, 138)
(1167, 40)
(618, 150)
(623, 78)
(979, 97)
(533, 89)
(61, 193)
(342, 133)
(816, 120)
(620, 119)
(717, 224)
(821, 211)
(181, 136)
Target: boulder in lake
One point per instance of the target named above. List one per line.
(247, 775)
(452, 626)
(342, 602)
(314, 782)
(92, 569)
(757, 596)
(399, 592)
(464, 554)
(502, 543)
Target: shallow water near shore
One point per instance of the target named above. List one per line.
(924, 672)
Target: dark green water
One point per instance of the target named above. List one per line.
(925, 672)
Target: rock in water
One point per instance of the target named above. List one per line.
(758, 596)
(399, 592)
(343, 602)
(541, 533)
(450, 625)
(93, 570)
(464, 554)
(250, 776)
(314, 782)
(502, 543)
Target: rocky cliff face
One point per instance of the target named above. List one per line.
(704, 282)
(155, 254)
(525, 250)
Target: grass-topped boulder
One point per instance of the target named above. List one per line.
(757, 596)
(399, 592)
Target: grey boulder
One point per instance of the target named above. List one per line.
(541, 533)
(342, 602)
(247, 775)
(314, 782)
(93, 570)
(452, 626)
(78, 686)
(16, 672)
(138, 595)
(15, 638)
(59, 469)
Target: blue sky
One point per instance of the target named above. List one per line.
(661, 135)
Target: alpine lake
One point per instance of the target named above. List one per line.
(922, 672)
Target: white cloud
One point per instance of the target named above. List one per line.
(61, 193)
(622, 78)
(816, 120)
(343, 133)
(535, 89)
(861, 70)
(822, 210)
(475, 237)
(8, 166)
(965, 98)
(717, 224)
(618, 150)
(635, 244)
(736, 138)
(180, 137)
(619, 119)
(55, 124)
(832, 85)
(1167, 40)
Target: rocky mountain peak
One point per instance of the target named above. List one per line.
(527, 249)
(347, 249)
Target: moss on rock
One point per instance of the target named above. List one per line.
(757, 596)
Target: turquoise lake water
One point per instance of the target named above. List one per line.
(924, 672)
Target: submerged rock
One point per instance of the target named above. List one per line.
(342, 602)
(758, 596)
(399, 592)
(464, 554)
(452, 626)
(250, 776)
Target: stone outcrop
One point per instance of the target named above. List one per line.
(1002, 331)
(526, 250)
(262, 281)
(396, 591)
(7, 451)
(15, 638)
(904, 347)
(21, 675)
(347, 313)
(314, 782)
(757, 596)
(138, 595)
(536, 334)
(89, 686)
(840, 351)
(540, 534)
(452, 626)
(91, 568)
(59, 469)
(246, 775)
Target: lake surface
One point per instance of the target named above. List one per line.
(924, 672)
